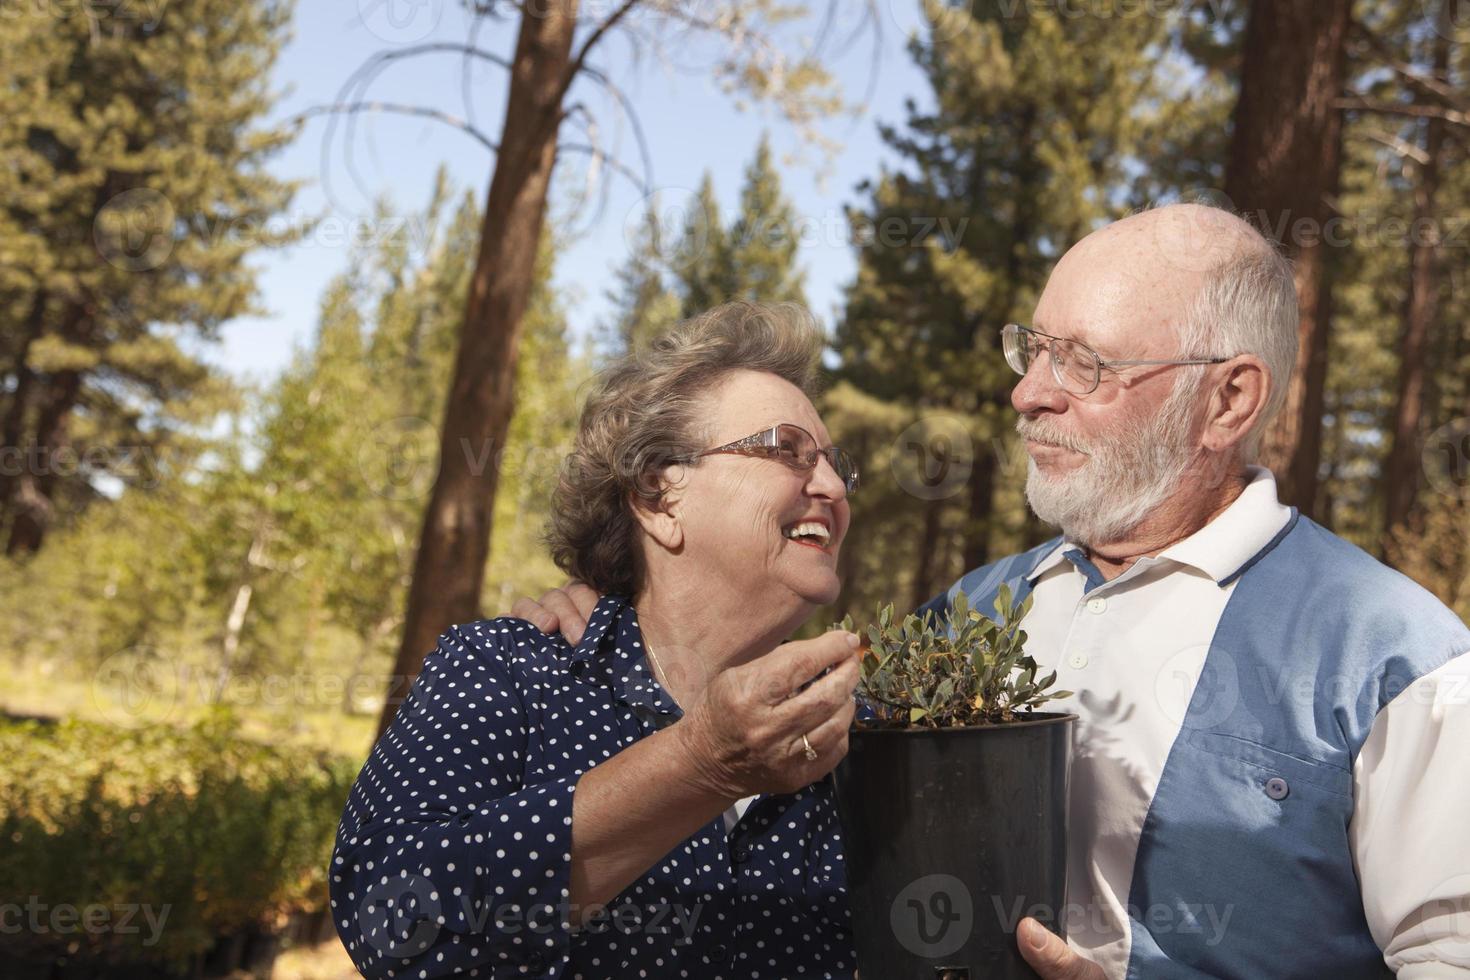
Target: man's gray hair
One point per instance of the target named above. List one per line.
(1247, 305)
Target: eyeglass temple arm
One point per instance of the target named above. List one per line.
(1192, 360)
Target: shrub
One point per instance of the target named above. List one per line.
(919, 673)
(216, 833)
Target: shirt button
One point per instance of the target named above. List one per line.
(537, 963)
(1276, 788)
(742, 854)
(1077, 661)
(718, 954)
(1097, 604)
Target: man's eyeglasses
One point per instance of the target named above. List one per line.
(1076, 367)
(792, 445)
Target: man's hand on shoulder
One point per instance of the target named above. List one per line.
(566, 609)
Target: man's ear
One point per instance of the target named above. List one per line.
(660, 517)
(1237, 403)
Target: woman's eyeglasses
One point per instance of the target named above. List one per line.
(1076, 367)
(792, 445)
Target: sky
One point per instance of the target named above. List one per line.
(690, 126)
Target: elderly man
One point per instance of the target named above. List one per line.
(1269, 775)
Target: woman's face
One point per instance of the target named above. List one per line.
(738, 514)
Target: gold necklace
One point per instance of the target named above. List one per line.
(660, 667)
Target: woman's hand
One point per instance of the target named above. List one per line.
(744, 733)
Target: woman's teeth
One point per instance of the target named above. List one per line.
(810, 529)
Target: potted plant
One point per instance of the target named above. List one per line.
(953, 796)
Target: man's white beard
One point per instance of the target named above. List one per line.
(1123, 478)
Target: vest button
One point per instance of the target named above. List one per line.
(1276, 788)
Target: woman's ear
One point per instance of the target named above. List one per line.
(660, 517)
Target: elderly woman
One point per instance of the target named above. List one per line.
(653, 802)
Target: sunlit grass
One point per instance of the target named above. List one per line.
(324, 961)
(288, 712)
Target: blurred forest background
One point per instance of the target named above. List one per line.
(214, 589)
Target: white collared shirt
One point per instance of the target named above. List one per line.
(1132, 649)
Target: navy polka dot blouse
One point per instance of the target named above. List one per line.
(453, 855)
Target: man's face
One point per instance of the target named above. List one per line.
(1101, 462)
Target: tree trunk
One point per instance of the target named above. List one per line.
(454, 543)
(923, 587)
(1402, 466)
(32, 507)
(1285, 156)
(981, 510)
(13, 427)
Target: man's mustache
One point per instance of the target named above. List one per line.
(1041, 432)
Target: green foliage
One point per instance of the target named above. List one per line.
(645, 306)
(707, 262)
(136, 192)
(1039, 127)
(921, 673)
(1382, 181)
(280, 547)
(216, 833)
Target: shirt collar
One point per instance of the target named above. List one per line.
(613, 643)
(1224, 548)
(1230, 543)
(1051, 559)
(604, 616)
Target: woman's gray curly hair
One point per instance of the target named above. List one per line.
(648, 409)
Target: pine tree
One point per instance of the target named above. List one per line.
(701, 259)
(763, 240)
(135, 192)
(1037, 117)
(644, 304)
(752, 259)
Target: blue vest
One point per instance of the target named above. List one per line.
(1251, 814)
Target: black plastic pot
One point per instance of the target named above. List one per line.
(951, 836)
